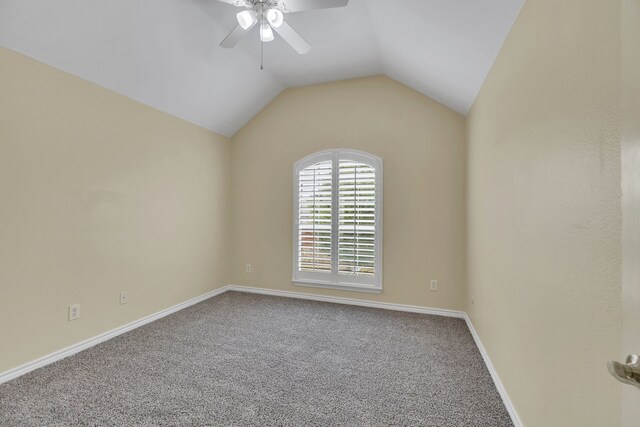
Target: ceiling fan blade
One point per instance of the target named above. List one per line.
(292, 37)
(238, 3)
(235, 36)
(289, 6)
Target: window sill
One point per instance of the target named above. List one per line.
(341, 286)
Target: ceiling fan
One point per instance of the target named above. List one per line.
(269, 15)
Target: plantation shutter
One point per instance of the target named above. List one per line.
(356, 218)
(314, 217)
(338, 221)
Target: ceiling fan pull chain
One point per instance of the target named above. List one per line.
(261, 37)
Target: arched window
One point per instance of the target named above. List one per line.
(337, 227)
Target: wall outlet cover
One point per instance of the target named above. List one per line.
(74, 311)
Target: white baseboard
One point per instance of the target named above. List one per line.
(349, 301)
(83, 345)
(494, 375)
(73, 349)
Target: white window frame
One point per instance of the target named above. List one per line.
(334, 280)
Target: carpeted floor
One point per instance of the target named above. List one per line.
(250, 360)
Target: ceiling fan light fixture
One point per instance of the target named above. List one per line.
(247, 18)
(266, 33)
(275, 18)
(268, 14)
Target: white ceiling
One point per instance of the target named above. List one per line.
(165, 53)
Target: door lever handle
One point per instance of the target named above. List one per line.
(627, 373)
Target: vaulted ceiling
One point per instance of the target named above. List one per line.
(165, 53)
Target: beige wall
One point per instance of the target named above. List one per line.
(422, 146)
(544, 216)
(99, 194)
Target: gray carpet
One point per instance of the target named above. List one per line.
(250, 360)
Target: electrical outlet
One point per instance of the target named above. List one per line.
(434, 285)
(124, 297)
(247, 268)
(74, 311)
